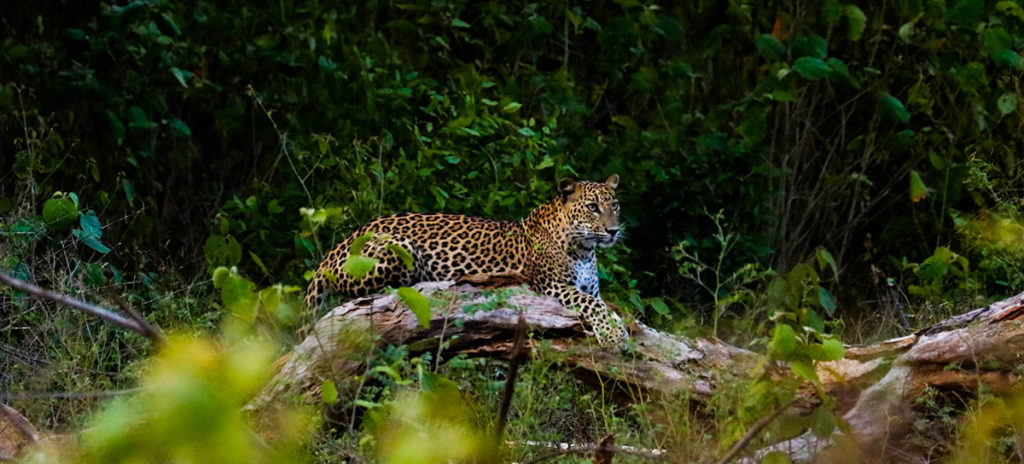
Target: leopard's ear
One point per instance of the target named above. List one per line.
(612, 181)
(566, 187)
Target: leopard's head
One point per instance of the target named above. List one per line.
(591, 210)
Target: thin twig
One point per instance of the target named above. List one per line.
(510, 385)
(583, 449)
(151, 332)
(102, 313)
(10, 397)
(755, 429)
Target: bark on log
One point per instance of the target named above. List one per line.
(662, 364)
(876, 385)
(16, 433)
(960, 354)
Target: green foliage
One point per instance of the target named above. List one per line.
(417, 303)
(189, 409)
(60, 212)
(279, 306)
(245, 139)
(433, 425)
(800, 336)
(942, 276)
(726, 289)
(346, 113)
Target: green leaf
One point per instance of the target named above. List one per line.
(402, 254)
(114, 127)
(824, 257)
(417, 303)
(437, 383)
(838, 68)
(329, 391)
(222, 250)
(827, 301)
(1007, 103)
(1011, 7)
(527, 131)
(995, 40)
(753, 127)
(833, 349)
(180, 129)
(91, 241)
(770, 47)
(917, 188)
(90, 224)
(892, 108)
(129, 191)
(782, 96)
(813, 320)
(935, 266)
(812, 46)
(1008, 58)
(856, 21)
(220, 274)
(784, 341)
(93, 275)
(182, 76)
(60, 213)
(902, 141)
(357, 266)
(812, 68)
(659, 306)
(776, 457)
(259, 262)
(906, 31)
(831, 11)
(459, 23)
(804, 369)
(238, 295)
(356, 248)
(327, 66)
(137, 120)
(966, 12)
(823, 422)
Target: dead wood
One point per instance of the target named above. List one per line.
(16, 433)
(478, 322)
(875, 385)
(982, 348)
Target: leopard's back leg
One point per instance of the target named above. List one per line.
(390, 270)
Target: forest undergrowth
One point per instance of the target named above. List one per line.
(795, 176)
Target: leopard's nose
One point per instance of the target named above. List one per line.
(612, 232)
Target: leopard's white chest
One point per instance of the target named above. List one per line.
(585, 268)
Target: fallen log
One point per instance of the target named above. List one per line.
(16, 433)
(467, 319)
(983, 348)
(875, 385)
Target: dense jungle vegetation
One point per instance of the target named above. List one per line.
(863, 155)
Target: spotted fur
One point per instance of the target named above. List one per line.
(553, 247)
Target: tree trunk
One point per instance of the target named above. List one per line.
(875, 385)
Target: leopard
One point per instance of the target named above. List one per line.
(554, 248)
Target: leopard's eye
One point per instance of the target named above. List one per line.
(594, 208)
